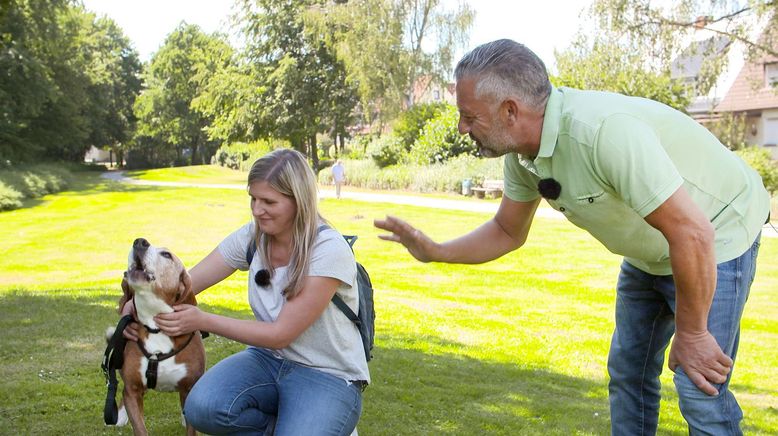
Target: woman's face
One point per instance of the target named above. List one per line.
(273, 211)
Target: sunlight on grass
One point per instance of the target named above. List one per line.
(514, 346)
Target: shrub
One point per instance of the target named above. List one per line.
(9, 197)
(386, 150)
(442, 177)
(31, 182)
(440, 140)
(241, 155)
(410, 123)
(759, 159)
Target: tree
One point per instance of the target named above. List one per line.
(387, 45)
(667, 27)
(304, 89)
(176, 76)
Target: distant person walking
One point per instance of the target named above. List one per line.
(338, 176)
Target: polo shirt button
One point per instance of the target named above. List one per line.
(561, 209)
(591, 200)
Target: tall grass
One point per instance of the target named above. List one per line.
(514, 346)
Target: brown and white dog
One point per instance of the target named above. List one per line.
(156, 280)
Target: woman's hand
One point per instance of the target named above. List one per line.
(131, 331)
(185, 319)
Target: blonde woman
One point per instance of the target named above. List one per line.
(304, 369)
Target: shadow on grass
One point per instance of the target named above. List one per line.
(51, 383)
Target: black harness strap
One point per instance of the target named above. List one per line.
(113, 359)
(154, 359)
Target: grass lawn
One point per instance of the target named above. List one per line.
(515, 346)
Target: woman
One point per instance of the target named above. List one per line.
(305, 368)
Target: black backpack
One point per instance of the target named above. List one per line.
(365, 319)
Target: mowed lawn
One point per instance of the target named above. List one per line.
(514, 347)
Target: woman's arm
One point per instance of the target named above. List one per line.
(209, 271)
(296, 316)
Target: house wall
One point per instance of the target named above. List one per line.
(769, 131)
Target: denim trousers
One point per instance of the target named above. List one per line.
(645, 323)
(254, 392)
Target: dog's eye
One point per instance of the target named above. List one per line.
(166, 255)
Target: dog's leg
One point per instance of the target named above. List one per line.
(133, 403)
(190, 431)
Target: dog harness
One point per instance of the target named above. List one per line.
(113, 359)
(155, 358)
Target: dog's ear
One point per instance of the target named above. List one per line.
(185, 294)
(126, 294)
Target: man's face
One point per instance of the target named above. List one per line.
(480, 119)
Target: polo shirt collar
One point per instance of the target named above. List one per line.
(551, 121)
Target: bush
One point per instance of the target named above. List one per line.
(760, 160)
(440, 140)
(410, 123)
(442, 177)
(241, 155)
(386, 151)
(31, 182)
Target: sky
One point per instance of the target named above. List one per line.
(540, 25)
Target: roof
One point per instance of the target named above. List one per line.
(749, 92)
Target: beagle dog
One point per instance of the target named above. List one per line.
(156, 280)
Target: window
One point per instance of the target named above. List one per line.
(436, 95)
(771, 74)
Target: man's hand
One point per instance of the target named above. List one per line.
(131, 331)
(418, 244)
(185, 319)
(701, 359)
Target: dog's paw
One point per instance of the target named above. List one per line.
(109, 333)
(123, 419)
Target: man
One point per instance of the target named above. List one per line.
(649, 183)
(338, 176)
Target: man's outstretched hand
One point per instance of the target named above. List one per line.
(417, 243)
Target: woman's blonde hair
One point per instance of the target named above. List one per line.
(287, 172)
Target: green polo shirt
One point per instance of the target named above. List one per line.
(618, 158)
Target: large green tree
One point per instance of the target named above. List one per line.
(168, 117)
(388, 45)
(301, 88)
(68, 81)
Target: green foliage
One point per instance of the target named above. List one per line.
(241, 155)
(409, 124)
(386, 150)
(175, 77)
(441, 177)
(730, 129)
(440, 140)
(68, 81)
(17, 184)
(612, 65)
(760, 159)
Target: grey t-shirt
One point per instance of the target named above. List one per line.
(332, 343)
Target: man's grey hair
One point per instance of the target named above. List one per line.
(506, 69)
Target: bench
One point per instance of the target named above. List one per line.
(490, 188)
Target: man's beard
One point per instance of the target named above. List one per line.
(496, 142)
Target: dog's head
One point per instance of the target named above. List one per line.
(156, 270)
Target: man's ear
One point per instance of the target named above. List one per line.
(185, 294)
(509, 109)
(126, 294)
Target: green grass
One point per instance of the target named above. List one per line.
(515, 346)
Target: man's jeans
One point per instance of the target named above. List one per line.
(252, 392)
(645, 306)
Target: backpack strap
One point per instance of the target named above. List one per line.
(350, 239)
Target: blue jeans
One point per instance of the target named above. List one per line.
(253, 392)
(645, 323)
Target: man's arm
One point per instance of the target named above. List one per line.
(505, 232)
(691, 239)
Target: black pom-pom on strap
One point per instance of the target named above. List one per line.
(262, 278)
